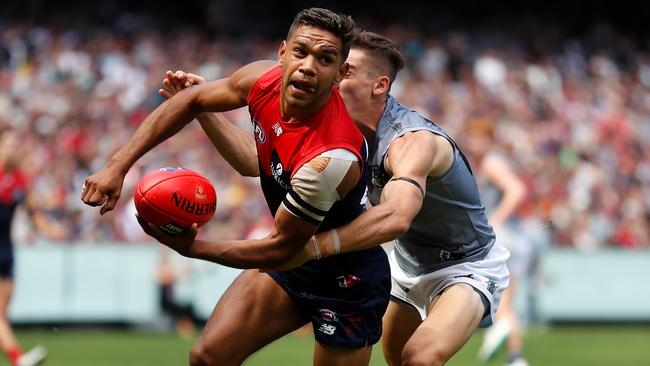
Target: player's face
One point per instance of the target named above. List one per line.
(311, 63)
(357, 84)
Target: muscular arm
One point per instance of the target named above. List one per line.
(104, 187)
(499, 172)
(296, 220)
(288, 235)
(166, 120)
(417, 156)
(235, 145)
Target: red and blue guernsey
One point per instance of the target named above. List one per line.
(346, 295)
(283, 147)
(13, 188)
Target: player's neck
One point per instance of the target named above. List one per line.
(290, 113)
(368, 119)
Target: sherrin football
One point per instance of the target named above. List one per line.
(174, 198)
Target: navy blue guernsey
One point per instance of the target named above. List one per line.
(12, 193)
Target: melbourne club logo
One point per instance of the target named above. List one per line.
(328, 315)
(260, 135)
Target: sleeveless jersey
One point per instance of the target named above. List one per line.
(451, 226)
(283, 147)
(13, 187)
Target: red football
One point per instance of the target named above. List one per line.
(174, 198)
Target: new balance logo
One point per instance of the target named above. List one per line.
(277, 129)
(327, 329)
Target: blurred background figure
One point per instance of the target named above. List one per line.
(13, 192)
(172, 270)
(502, 191)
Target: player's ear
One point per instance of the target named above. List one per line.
(282, 51)
(381, 85)
(343, 70)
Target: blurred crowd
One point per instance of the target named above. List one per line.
(571, 113)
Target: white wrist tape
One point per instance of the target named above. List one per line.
(336, 241)
(314, 245)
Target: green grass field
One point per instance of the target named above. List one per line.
(558, 346)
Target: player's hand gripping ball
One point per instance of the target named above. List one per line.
(174, 198)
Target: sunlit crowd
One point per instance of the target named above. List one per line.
(572, 114)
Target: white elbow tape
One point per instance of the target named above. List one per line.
(336, 241)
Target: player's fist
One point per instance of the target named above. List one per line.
(103, 189)
(177, 81)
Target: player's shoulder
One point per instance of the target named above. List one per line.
(267, 74)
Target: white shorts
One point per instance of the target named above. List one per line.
(488, 276)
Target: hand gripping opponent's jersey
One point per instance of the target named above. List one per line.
(283, 147)
(451, 226)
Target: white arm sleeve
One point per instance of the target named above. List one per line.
(315, 185)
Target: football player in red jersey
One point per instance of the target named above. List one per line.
(310, 158)
(14, 192)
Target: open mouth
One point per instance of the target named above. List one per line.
(303, 86)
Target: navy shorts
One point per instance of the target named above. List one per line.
(344, 296)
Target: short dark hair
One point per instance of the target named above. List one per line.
(382, 49)
(340, 25)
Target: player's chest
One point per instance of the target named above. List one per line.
(11, 189)
(278, 148)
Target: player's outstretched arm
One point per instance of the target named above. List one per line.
(316, 187)
(236, 146)
(104, 187)
(411, 159)
(288, 236)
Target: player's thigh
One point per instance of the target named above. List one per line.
(253, 312)
(400, 322)
(453, 317)
(6, 289)
(325, 355)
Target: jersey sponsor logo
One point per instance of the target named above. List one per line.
(348, 280)
(328, 315)
(277, 129)
(327, 329)
(277, 171)
(260, 135)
